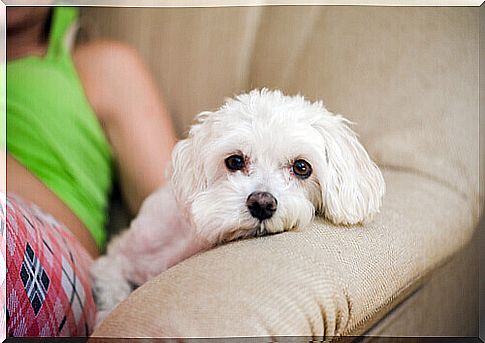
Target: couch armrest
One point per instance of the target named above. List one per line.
(322, 281)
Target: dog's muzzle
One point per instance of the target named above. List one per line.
(261, 205)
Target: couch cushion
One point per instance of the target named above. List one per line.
(324, 280)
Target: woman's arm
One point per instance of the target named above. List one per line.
(128, 104)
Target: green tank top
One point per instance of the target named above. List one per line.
(53, 131)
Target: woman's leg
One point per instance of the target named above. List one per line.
(48, 281)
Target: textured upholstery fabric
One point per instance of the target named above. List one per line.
(407, 76)
(445, 305)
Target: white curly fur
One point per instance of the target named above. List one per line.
(205, 204)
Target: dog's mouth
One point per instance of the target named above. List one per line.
(260, 230)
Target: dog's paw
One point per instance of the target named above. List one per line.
(109, 286)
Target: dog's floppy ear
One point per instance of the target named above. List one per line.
(188, 172)
(352, 185)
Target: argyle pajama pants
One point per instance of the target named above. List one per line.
(48, 290)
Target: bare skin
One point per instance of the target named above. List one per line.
(127, 102)
(29, 187)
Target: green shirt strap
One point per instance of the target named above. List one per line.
(62, 20)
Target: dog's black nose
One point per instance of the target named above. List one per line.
(261, 205)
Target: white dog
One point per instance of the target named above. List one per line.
(263, 163)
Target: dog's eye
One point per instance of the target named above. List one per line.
(302, 169)
(234, 162)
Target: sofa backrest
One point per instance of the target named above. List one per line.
(408, 76)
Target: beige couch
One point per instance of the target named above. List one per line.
(409, 78)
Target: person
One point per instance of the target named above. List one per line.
(78, 116)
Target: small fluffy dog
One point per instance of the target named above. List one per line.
(263, 163)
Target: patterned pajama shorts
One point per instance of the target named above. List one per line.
(48, 284)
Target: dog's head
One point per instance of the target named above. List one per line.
(266, 163)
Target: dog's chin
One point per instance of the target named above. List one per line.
(219, 231)
(259, 230)
(235, 235)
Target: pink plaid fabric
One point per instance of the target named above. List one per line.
(48, 282)
(2, 267)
